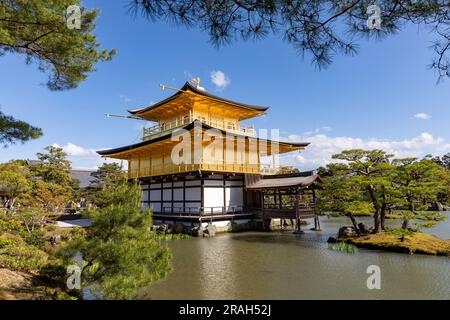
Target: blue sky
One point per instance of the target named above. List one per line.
(369, 100)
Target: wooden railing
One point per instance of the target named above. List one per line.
(172, 168)
(201, 211)
(301, 206)
(157, 170)
(270, 170)
(160, 129)
(289, 211)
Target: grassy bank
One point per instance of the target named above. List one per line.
(418, 242)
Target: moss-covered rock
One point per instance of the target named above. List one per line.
(417, 242)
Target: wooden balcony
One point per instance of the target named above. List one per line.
(276, 211)
(158, 170)
(270, 170)
(166, 127)
(173, 169)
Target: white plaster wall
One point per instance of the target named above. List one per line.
(195, 205)
(234, 183)
(193, 182)
(213, 198)
(156, 206)
(213, 183)
(193, 194)
(155, 195)
(178, 194)
(167, 194)
(168, 206)
(234, 197)
(178, 204)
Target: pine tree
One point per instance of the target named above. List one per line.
(40, 30)
(121, 255)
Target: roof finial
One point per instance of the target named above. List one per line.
(196, 81)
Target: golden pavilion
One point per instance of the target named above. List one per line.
(199, 164)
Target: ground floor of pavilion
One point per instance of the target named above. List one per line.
(201, 198)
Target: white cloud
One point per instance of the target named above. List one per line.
(76, 151)
(85, 158)
(318, 130)
(322, 147)
(220, 80)
(422, 116)
(125, 99)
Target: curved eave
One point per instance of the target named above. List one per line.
(285, 182)
(188, 87)
(292, 146)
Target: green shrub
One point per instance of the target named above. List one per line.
(64, 296)
(431, 216)
(342, 247)
(51, 227)
(5, 242)
(36, 238)
(77, 233)
(54, 273)
(22, 257)
(173, 236)
(10, 224)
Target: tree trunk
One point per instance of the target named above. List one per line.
(383, 208)
(382, 216)
(376, 216)
(376, 222)
(354, 223)
(405, 224)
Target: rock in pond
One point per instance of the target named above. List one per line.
(178, 228)
(332, 240)
(346, 231)
(210, 231)
(197, 232)
(364, 228)
(160, 228)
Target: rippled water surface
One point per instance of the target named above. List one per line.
(281, 265)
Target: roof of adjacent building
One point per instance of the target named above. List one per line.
(288, 182)
(180, 131)
(33, 162)
(189, 87)
(86, 177)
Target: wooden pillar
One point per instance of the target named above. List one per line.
(316, 216)
(263, 211)
(280, 205)
(262, 204)
(172, 204)
(280, 199)
(316, 223)
(297, 213)
(224, 208)
(184, 194)
(202, 195)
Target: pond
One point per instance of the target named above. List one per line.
(283, 265)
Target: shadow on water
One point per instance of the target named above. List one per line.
(283, 265)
